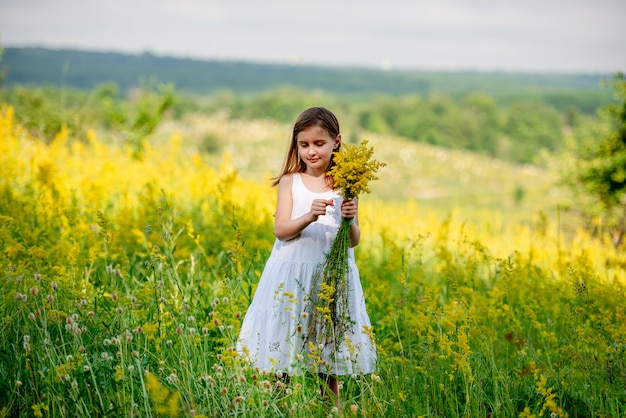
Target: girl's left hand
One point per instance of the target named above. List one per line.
(349, 208)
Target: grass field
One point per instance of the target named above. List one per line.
(124, 281)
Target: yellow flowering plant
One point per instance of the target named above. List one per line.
(354, 168)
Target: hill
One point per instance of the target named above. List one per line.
(439, 179)
(86, 69)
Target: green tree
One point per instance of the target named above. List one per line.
(2, 72)
(599, 177)
(480, 123)
(532, 126)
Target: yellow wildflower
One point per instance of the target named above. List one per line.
(354, 169)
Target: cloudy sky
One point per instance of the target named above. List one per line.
(509, 35)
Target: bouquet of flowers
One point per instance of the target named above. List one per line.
(353, 170)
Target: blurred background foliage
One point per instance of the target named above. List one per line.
(492, 113)
(572, 124)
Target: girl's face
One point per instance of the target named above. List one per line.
(315, 147)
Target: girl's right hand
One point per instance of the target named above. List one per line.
(318, 208)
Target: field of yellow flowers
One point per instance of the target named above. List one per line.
(125, 278)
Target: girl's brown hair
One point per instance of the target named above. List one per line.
(313, 116)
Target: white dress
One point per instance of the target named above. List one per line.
(274, 330)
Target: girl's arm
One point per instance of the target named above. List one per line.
(350, 210)
(286, 228)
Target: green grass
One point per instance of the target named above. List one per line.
(124, 281)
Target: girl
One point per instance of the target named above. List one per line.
(274, 333)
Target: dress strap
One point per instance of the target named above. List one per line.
(297, 182)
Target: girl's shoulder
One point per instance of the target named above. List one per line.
(286, 178)
(285, 182)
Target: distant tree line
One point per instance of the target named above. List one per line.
(505, 115)
(88, 69)
(507, 128)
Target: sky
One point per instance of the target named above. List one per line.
(484, 35)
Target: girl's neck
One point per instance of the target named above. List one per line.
(317, 182)
(314, 173)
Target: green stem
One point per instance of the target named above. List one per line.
(333, 272)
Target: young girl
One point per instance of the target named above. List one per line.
(274, 330)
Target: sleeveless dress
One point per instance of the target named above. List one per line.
(273, 333)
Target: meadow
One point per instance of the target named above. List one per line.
(125, 277)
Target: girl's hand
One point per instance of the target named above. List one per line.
(318, 207)
(349, 208)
